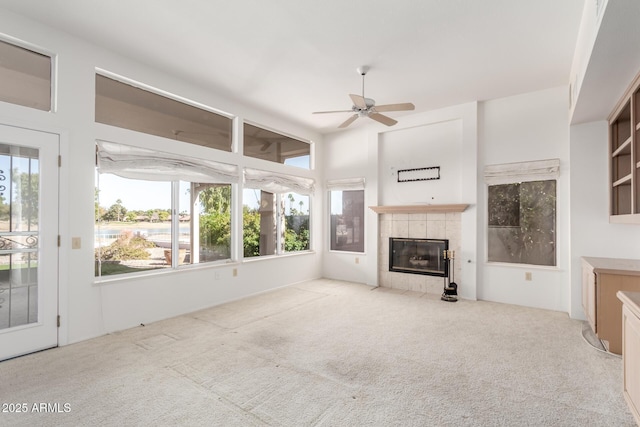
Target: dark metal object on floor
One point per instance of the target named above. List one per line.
(450, 293)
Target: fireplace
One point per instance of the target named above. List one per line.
(418, 256)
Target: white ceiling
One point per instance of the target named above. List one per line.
(298, 56)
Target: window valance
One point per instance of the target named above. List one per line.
(274, 182)
(509, 173)
(140, 163)
(345, 184)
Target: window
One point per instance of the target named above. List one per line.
(262, 220)
(209, 218)
(346, 203)
(522, 214)
(259, 223)
(142, 225)
(133, 225)
(296, 224)
(276, 213)
(25, 77)
(129, 107)
(176, 210)
(347, 221)
(267, 145)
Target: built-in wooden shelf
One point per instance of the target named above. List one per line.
(624, 152)
(625, 180)
(625, 148)
(418, 209)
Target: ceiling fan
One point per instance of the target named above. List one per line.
(366, 107)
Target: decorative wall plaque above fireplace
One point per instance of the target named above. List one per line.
(418, 256)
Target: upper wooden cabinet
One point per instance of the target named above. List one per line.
(624, 161)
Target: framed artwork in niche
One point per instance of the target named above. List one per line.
(419, 174)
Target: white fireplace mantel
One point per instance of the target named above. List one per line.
(418, 208)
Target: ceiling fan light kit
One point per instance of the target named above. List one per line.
(366, 107)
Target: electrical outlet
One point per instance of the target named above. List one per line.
(357, 260)
(216, 275)
(76, 243)
(235, 272)
(527, 275)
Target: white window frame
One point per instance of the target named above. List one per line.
(345, 184)
(519, 172)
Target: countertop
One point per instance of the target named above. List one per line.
(626, 267)
(631, 300)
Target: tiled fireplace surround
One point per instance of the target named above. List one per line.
(437, 225)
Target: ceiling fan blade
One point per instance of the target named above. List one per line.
(358, 101)
(336, 111)
(406, 106)
(382, 119)
(348, 121)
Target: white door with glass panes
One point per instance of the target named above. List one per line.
(28, 241)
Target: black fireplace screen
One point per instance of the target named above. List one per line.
(418, 256)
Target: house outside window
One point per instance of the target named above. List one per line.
(521, 215)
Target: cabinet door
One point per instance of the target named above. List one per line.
(631, 360)
(589, 295)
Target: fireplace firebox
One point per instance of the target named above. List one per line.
(418, 256)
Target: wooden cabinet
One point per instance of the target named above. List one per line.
(589, 294)
(631, 350)
(624, 161)
(602, 278)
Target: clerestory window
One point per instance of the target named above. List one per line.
(131, 107)
(25, 77)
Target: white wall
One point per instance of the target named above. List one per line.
(89, 309)
(346, 155)
(433, 144)
(447, 137)
(533, 126)
(591, 232)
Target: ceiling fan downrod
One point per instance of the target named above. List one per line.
(362, 70)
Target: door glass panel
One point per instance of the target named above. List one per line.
(19, 185)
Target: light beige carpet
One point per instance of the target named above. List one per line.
(333, 354)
